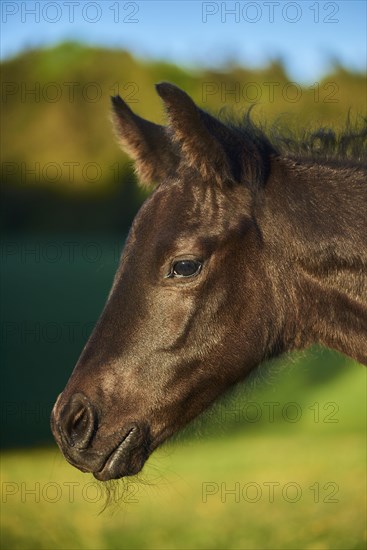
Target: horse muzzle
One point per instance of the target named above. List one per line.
(75, 427)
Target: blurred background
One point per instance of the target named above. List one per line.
(280, 463)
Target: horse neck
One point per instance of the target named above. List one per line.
(315, 219)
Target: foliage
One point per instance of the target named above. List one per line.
(56, 283)
(61, 164)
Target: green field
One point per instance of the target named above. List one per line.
(278, 464)
(283, 484)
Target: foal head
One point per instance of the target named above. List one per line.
(193, 306)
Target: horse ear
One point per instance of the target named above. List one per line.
(148, 144)
(202, 138)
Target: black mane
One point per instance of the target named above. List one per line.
(347, 147)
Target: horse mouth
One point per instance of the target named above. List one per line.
(107, 456)
(126, 458)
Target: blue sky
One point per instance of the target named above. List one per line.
(307, 35)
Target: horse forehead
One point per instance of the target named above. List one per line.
(180, 216)
(181, 204)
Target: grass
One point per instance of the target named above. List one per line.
(209, 492)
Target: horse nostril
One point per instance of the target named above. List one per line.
(78, 425)
(78, 421)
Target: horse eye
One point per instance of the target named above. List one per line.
(186, 268)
